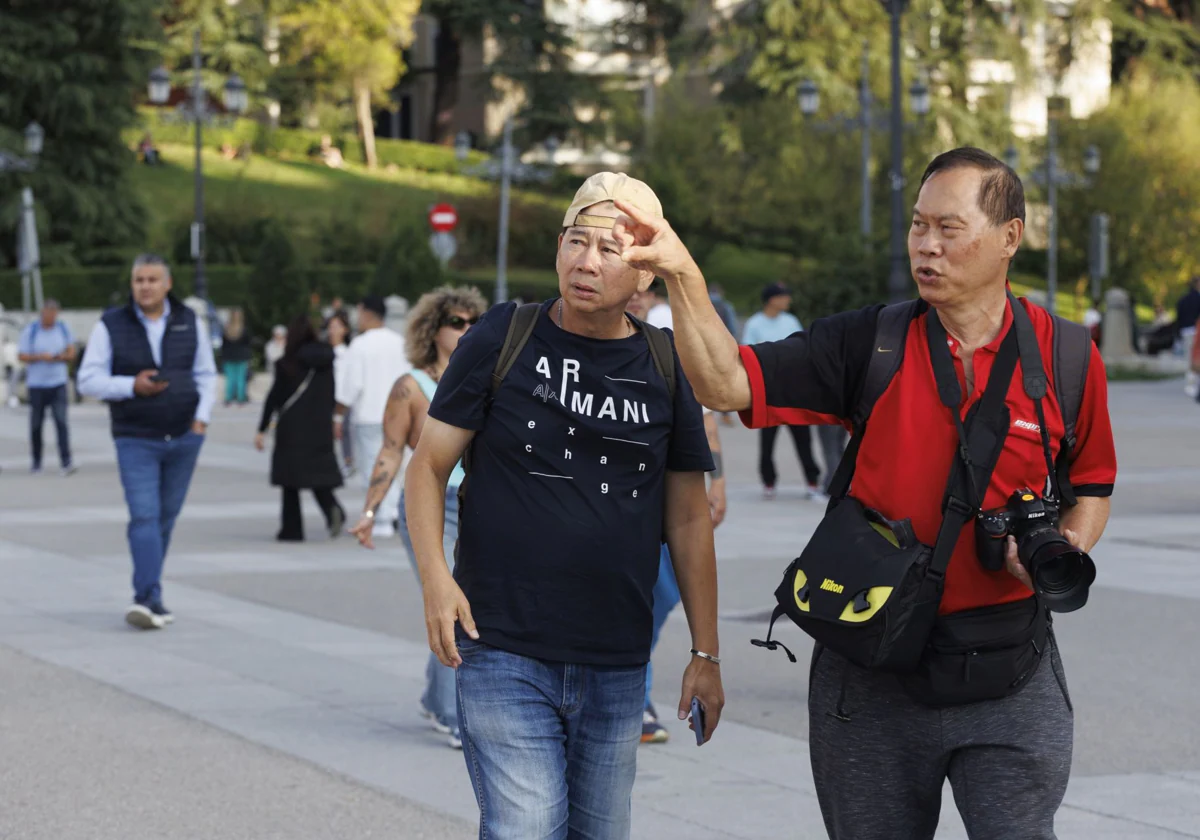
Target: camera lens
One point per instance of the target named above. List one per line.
(1062, 574)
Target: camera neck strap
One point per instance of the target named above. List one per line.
(972, 470)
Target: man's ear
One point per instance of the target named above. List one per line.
(645, 279)
(1014, 232)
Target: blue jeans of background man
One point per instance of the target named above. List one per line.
(235, 381)
(55, 399)
(439, 698)
(155, 475)
(666, 596)
(551, 747)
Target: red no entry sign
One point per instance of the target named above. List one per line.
(443, 218)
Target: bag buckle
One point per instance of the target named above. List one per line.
(957, 505)
(773, 645)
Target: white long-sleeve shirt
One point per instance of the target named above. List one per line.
(96, 378)
(373, 362)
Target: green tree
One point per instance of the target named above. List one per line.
(1149, 185)
(75, 66)
(355, 45)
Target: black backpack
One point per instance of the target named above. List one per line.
(1072, 355)
(520, 328)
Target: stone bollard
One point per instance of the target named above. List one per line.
(1117, 338)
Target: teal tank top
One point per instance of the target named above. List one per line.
(429, 388)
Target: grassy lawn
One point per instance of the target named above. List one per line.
(301, 193)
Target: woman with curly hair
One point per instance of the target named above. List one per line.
(435, 325)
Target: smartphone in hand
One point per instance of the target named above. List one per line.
(698, 721)
(159, 377)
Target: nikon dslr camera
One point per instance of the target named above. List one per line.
(1061, 572)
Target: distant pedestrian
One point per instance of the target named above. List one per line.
(435, 325)
(152, 362)
(236, 353)
(337, 333)
(729, 318)
(47, 348)
(658, 311)
(1187, 314)
(371, 367)
(301, 403)
(775, 323)
(273, 351)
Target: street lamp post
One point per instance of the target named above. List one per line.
(506, 162)
(27, 242)
(898, 275)
(234, 99)
(864, 122)
(1051, 175)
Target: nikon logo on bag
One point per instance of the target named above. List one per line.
(829, 586)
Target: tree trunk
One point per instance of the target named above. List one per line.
(366, 122)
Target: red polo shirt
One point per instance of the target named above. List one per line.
(816, 377)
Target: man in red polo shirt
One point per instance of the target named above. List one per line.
(879, 756)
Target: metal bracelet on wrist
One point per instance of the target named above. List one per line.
(369, 514)
(716, 660)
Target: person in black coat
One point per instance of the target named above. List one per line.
(301, 399)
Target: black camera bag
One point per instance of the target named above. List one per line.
(860, 589)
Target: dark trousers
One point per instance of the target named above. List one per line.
(802, 437)
(292, 525)
(56, 400)
(879, 758)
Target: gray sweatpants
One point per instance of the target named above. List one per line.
(880, 758)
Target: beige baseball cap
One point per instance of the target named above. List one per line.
(610, 186)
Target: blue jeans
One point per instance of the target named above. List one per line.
(666, 596)
(155, 475)
(55, 399)
(439, 697)
(551, 747)
(235, 381)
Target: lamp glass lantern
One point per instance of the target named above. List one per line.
(462, 146)
(1091, 160)
(160, 86)
(919, 95)
(809, 97)
(235, 94)
(35, 136)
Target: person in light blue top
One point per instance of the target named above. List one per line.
(775, 323)
(46, 346)
(439, 319)
(152, 362)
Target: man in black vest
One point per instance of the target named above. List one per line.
(152, 362)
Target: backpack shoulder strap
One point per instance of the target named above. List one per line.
(887, 353)
(520, 328)
(663, 354)
(1072, 356)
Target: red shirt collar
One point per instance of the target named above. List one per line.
(994, 346)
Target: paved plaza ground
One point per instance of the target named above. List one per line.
(283, 701)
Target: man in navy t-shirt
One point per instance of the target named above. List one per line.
(581, 465)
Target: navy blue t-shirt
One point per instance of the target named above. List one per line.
(559, 533)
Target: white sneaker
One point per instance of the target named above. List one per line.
(455, 741)
(383, 530)
(142, 618)
(816, 494)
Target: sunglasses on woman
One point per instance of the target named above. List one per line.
(457, 322)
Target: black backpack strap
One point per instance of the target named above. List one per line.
(887, 354)
(663, 354)
(520, 328)
(968, 480)
(1072, 356)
